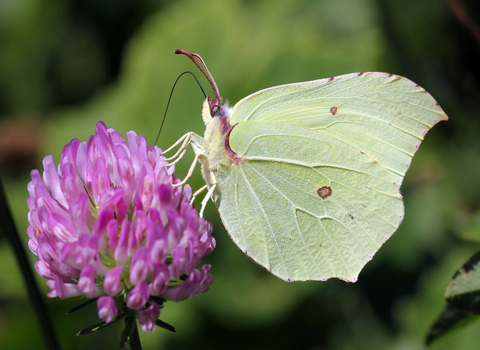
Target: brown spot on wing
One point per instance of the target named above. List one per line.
(324, 192)
(334, 110)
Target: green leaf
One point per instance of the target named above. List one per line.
(450, 319)
(165, 325)
(100, 325)
(466, 279)
(81, 306)
(130, 325)
(463, 300)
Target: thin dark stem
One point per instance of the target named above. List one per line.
(8, 226)
(135, 339)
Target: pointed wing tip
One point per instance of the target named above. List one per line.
(443, 118)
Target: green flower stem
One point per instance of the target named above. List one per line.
(135, 339)
(8, 226)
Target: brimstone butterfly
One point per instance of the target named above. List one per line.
(306, 177)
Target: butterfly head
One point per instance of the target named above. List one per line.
(216, 108)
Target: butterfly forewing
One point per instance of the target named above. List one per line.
(383, 115)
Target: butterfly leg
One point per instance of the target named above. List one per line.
(206, 198)
(190, 172)
(186, 143)
(195, 195)
(179, 157)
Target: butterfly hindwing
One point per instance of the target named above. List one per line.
(305, 205)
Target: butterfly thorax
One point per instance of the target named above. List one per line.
(216, 154)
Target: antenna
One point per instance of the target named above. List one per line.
(168, 103)
(217, 103)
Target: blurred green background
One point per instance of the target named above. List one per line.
(65, 64)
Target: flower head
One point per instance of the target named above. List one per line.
(110, 223)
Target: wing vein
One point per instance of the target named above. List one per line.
(266, 218)
(291, 204)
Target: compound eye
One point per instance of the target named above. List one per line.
(214, 110)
